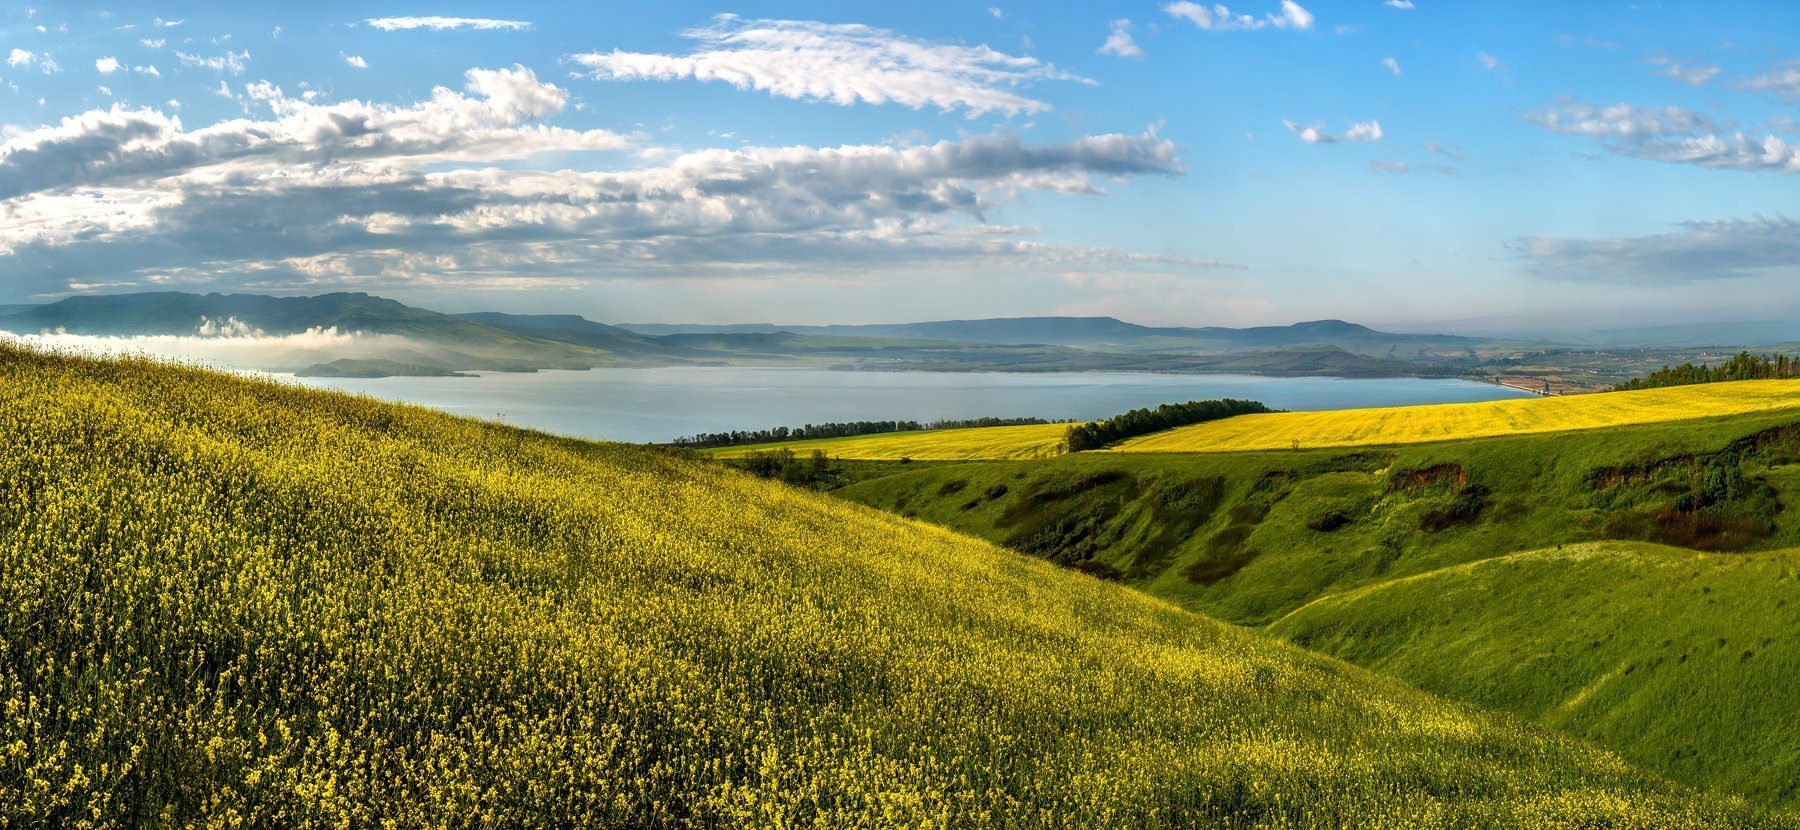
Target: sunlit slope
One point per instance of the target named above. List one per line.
(971, 444)
(1440, 422)
(224, 601)
(1685, 662)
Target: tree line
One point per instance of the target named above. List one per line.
(1744, 366)
(1137, 422)
(844, 429)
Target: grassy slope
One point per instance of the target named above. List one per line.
(1232, 534)
(1659, 652)
(1440, 422)
(223, 600)
(975, 443)
(1249, 537)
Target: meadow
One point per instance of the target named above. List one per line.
(227, 602)
(1446, 422)
(1250, 537)
(1658, 652)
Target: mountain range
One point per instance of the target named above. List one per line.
(376, 336)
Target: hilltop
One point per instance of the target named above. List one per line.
(224, 600)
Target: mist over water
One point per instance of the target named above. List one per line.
(654, 405)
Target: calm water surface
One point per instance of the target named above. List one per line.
(661, 404)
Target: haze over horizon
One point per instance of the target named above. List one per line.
(1405, 165)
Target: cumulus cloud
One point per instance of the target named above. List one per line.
(390, 24)
(1697, 252)
(1119, 42)
(1392, 66)
(377, 196)
(356, 61)
(1218, 18)
(19, 57)
(106, 66)
(148, 69)
(839, 63)
(153, 43)
(1315, 134)
(1398, 4)
(1671, 134)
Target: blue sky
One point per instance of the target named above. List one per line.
(1459, 166)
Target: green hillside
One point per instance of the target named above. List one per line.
(1251, 537)
(224, 601)
(1664, 654)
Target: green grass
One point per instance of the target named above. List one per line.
(224, 601)
(233, 602)
(972, 443)
(1251, 537)
(1684, 662)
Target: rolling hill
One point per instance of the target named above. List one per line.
(1253, 537)
(227, 601)
(1602, 641)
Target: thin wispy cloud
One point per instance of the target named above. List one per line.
(1219, 18)
(1782, 81)
(1687, 72)
(1392, 66)
(441, 24)
(1397, 4)
(1696, 252)
(1489, 62)
(841, 64)
(1119, 41)
(230, 62)
(355, 61)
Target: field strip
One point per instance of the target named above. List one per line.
(1448, 422)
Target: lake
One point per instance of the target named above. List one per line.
(643, 405)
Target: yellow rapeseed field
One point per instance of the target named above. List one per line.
(1442, 422)
(971, 444)
(225, 602)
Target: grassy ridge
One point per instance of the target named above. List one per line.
(227, 601)
(971, 444)
(1658, 652)
(1440, 422)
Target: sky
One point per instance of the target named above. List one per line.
(1414, 164)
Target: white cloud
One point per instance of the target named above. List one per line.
(1119, 42)
(1489, 62)
(1693, 74)
(1398, 4)
(1218, 18)
(168, 23)
(149, 69)
(19, 57)
(107, 65)
(839, 63)
(996, 12)
(229, 343)
(153, 43)
(1315, 134)
(1671, 134)
(389, 24)
(1392, 66)
(232, 62)
(360, 194)
(356, 61)
(1697, 252)
(1783, 81)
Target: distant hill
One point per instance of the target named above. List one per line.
(235, 602)
(495, 341)
(1108, 333)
